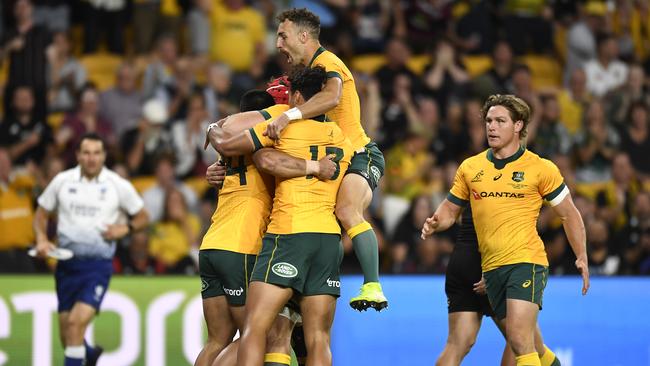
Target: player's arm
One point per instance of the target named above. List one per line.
(445, 216)
(240, 144)
(237, 123)
(43, 244)
(320, 103)
(282, 165)
(574, 228)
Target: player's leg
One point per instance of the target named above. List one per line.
(221, 328)
(546, 356)
(63, 325)
(521, 321)
(463, 329)
(278, 340)
(317, 317)
(80, 316)
(262, 306)
(353, 198)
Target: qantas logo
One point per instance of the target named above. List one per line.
(478, 196)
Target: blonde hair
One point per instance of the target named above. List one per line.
(518, 109)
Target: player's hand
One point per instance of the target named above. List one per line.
(115, 231)
(583, 267)
(430, 226)
(326, 167)
(212, 132)
(479, 287)
(276, 126)
(43, 247)
(216, 174)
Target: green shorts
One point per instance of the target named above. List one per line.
(306, 262)
(225, 273)
(522, 281)
(368, 163)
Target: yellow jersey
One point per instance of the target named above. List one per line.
(244, 205)
(506, 196)
(16, 216)
(348, 112)
(235, 35)
(168, 241)
(306, 204)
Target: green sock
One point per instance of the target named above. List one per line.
(366, 248)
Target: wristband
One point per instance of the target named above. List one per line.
(211, 126)
(311, 167)
(293, 114)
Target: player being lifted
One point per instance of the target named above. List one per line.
(298, 34)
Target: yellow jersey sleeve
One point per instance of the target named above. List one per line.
(257, 134)
(551, 184)
(459, 192)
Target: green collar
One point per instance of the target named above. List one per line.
(501, 163)
(318, 52)
(321, 118)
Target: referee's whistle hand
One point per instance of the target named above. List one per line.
(116, 231)
(43, 247)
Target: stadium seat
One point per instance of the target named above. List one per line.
(477, 64)
(369, 64)
(546, 71)
(55, 120)
(141, 184)
(101, 68)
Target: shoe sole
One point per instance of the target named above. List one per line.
(363, 305)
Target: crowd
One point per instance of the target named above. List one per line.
(150, 75)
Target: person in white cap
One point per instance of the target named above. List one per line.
(143, 144)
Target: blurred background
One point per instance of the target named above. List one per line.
(422, 67)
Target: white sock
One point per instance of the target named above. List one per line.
(75, 352)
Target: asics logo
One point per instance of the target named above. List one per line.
(497, 177)
(232, 292)
(526, 284)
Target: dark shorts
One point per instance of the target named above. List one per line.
(306, 262)
(522, 281)
(463, 271)
(225, 273)
(369, 164)
(82, 280)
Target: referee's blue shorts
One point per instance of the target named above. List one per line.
(82, 280)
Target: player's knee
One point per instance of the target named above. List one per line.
(348, 215)
(461, 345)
(520, 343)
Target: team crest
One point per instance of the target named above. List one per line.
(477, 177)
(518, 176)
(204, 285)
(376, 174)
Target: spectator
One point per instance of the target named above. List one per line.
(601, 260)
(198, 22)
(581, 37)
(432, 253)
(146, 16)
(122, 104)
(606, 72)
(399, 114)
(25, 46)
(615, 200)
(135, 258)
(445, 78)
(104, 17)
(159, 72)
(85, 120)
(426, 21)
(16, 215)
(409, 164)
(175, 95)
(27, 138)
(53, 14)
(573, 101)
(176, 235)
(66, 75)
(498, 79)
(237, 40)
(221, 96)
(635, 239)
(142, 144)
(397, 55)
(527, 26)
(371, 22)
(551, 137)
(619, 101)
(154, 197)
(188, 137)
(636, 139)
(596, 145)
(407, 234)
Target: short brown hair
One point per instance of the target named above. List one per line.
(518, 109)
(304, 19)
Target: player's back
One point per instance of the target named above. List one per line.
(243, 209)
(347, 113)
(306, 204)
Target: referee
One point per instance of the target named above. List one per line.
(87, 200)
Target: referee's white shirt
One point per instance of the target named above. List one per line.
(86, 207)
